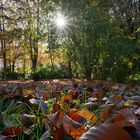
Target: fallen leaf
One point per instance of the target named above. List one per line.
(76, 117)
(87, 115)
(62, 126)
(108, 131)
(105, 114)
(72, 128)
(46, 135)
(137, 112)
(28, 120)
(38, 103)
(55, 107)
(129, 115)
(118, 117)
(4, 138)
(75, 94)
(12, 131)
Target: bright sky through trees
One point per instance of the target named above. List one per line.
(60, 21)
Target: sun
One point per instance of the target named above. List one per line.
(60, 20)
(61, 23)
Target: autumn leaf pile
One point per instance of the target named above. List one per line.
(69, 111)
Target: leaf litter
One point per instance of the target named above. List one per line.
(69, 110)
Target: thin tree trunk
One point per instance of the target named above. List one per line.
(139, 5)
(3, 47)
(51, 58)
(70, 69)
(4, 59)
(24, 67)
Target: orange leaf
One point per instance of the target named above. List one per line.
(67, 97)
(87, 115)
(118, 97)
(49, 86)
(76, 117)
(76, 133)
(72, 114)
(72, 128)
(106, 113)
(119, 117)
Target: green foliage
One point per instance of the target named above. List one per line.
(54, 74)
(39, 74)
(120, 73)
(135, 76)
(12, 75)
(47, 73)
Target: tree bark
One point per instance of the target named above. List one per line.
(3, 48)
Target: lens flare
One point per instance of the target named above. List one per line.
(60, 22)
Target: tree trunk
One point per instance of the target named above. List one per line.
(33, 52)
(24, 67)
(70, 69)
(4, 60)
(3, 48)
(139, 5)
(13, 67)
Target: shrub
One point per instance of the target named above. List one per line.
(120, 73)
(52, 74)
(12, 76)
(39, 74)
(47, 73)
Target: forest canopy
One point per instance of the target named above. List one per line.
(92, 39)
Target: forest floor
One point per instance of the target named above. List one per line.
(62, 109)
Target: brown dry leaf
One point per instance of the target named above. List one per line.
(108, 131)
(12, 131)
(27, 92)
(87, 115)
(72, 128)
(58, 133)
(27, 120)
(63, 126)
(137, 125)
(56, 122)
(99, 95)
(129, 114)
(75, 94)
(125, 123)
(105, 114)
(116, 99)
(55, 107)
